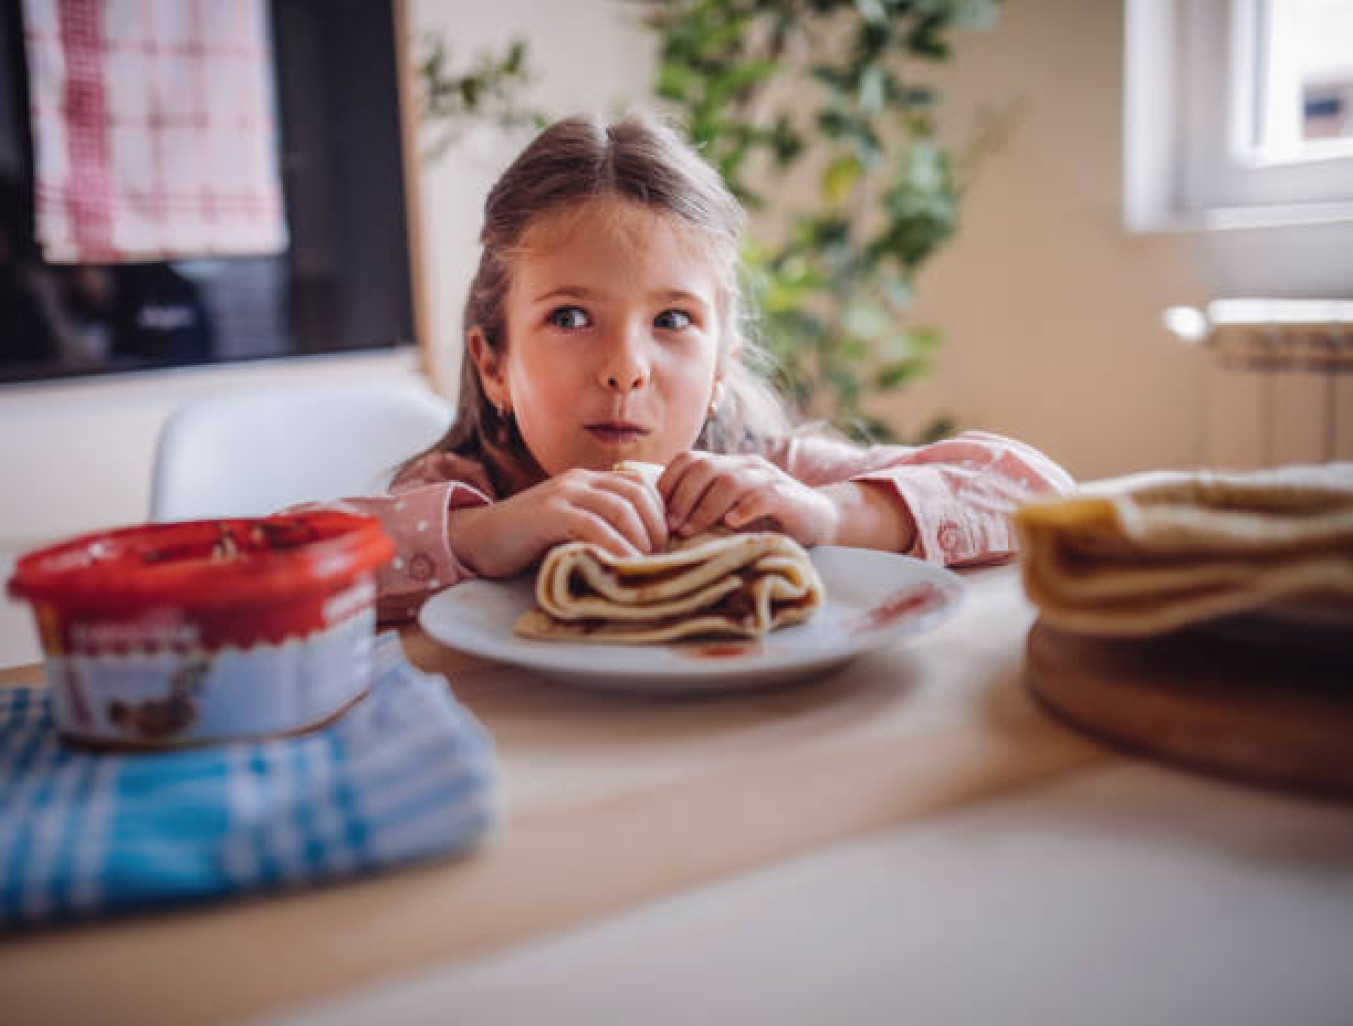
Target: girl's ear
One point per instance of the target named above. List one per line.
(731, 355)
(492, 372)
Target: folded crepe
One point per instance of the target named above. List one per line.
(649, 472)
(713, 585)
(1156, 552)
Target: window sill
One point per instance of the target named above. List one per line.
(178, 384)
(1297, 215)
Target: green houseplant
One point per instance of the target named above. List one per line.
(834, 288)
(487, 91)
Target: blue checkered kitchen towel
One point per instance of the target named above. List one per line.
(407, 773)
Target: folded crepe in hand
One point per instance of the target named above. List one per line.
(649, 472)
(1156, 552)
(730, 585)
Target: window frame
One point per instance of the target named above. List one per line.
(1184, 167)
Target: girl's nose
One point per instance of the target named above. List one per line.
(626, 368)
(626, 382)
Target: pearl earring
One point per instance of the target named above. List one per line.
(716, 399)
(502, 432)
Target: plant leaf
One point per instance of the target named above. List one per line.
(840, 177)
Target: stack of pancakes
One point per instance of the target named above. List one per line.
(1156, 552)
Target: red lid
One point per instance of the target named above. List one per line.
(205, 562)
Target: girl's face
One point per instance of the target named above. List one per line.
(613, 339)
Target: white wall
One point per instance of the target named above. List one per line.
(77, 456)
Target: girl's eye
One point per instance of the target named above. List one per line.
(568, 317)
(673, 320)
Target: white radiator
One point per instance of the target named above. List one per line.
(1280, 388)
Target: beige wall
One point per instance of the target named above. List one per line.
(1050, 309)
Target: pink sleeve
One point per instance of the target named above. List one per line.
(414, 515)
(960, 492)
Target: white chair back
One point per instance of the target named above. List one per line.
(250, 453)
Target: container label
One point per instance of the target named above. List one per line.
(194, 694)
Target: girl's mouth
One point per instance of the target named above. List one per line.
(616, 433)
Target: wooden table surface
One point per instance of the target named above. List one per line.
(609, 802)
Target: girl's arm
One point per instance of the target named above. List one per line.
(947, 503)
(867, 517)
(447, 526)
(416, 514)
(417, 521)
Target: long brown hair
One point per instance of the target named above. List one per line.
(579, 160)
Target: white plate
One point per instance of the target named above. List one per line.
(873, 598)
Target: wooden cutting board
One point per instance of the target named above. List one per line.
(1244, 700)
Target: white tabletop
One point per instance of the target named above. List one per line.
(1131, 894)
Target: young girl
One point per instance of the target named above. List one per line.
(602, 325)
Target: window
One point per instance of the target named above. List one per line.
(1238, 113)
(343, 281)
(1296, 80)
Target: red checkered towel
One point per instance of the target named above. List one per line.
(153, 128)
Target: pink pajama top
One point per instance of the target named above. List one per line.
(959, 492)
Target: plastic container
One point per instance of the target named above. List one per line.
(184, 633)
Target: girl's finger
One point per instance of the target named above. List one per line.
(646, 502)
(673, 473)
(754, 505)
(687, 492)
(725, 490)
(619, 512)
(585, 526)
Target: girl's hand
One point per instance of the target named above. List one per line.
(702, 489)
(619, 512)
